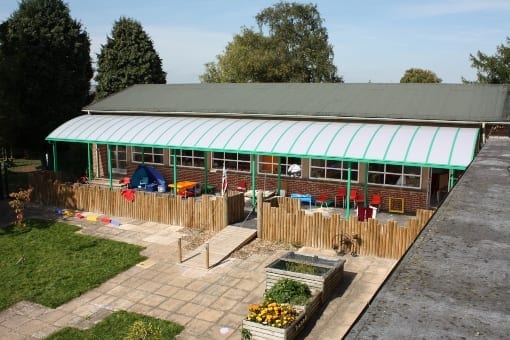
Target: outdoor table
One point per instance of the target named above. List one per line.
(304, 198)
(182, 185)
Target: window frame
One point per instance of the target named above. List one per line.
(273, 165)
(149, 155)
(342, 169)
(193, 158)
(402, 177)
(234, 158)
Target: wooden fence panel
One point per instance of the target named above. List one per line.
(207, 212)
(287, 222)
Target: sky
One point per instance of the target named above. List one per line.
(373, 40)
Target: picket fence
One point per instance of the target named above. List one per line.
(285, 221)
(208, 212)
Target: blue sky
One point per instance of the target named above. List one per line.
(373, 40)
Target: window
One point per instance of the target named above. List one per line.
(189, 158)
(269, 165)
(233, 161)
(119, 156)
(394, 175)
(332, 170)
(147, 155)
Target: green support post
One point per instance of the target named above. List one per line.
(253, 179)
(174, 160)
(206, 173)
(279, 180)
(89, 162)
(348, 209)
(365, 185)
(452, 179)
(109, 156)
(55, 166)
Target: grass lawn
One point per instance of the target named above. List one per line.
(118, 326)
(58, 264)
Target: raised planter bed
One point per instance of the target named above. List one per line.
(325, 277)
(261, 331)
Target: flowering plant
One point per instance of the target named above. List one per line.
(271, 313)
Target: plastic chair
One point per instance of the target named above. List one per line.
(323, 200)
(241, 186)
(340, 195)
(143, 182)
(354, 195)
(360, 199)
(376, 200)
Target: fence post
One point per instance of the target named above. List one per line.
(179, 245)
(207, 256)
(259, 213)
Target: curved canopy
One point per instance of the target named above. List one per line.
(430, 146)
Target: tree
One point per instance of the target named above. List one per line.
(127, 58)
(418, 75)
(290, 46)
(493, 69)
(45, 69)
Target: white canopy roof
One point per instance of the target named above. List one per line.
(430, 146)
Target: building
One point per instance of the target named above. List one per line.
(404, 141)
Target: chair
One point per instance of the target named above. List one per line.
(354, 195)
(323, 200)
(376, 200)
(241, 186)
(143, 182)
(340, 195)
(360, 199)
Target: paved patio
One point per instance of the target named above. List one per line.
(209, 303)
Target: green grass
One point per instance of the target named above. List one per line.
(117, 326)
(58, 264)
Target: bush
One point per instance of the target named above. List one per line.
(289, 291)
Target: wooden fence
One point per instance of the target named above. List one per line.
(287, 222)
(208, 212)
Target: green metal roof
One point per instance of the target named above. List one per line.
(430, 146)
(444, 102)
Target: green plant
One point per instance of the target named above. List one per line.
(289, 291)
(272, 314)
(245, 334)
(140, 330)
(300, 267)
(118, 326)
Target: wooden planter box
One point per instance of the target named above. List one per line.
(264, 332)
(328, 272)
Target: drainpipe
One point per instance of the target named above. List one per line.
(483, 133)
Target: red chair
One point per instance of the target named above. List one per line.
(323, 200)
(360, 199)
(376, 200)
(340, 196)
(354, 195)
(241, 186)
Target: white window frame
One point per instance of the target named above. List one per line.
(390, 175)
(188, 158)
(151, 155)
(268, 165)
(233, 161)
(329, 167)
(119, 159)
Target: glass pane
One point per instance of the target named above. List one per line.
(333, 173)
(318, 162)
(397, 169)
(376, 167)
(415, 170)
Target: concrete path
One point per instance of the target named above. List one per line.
(210, 304)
